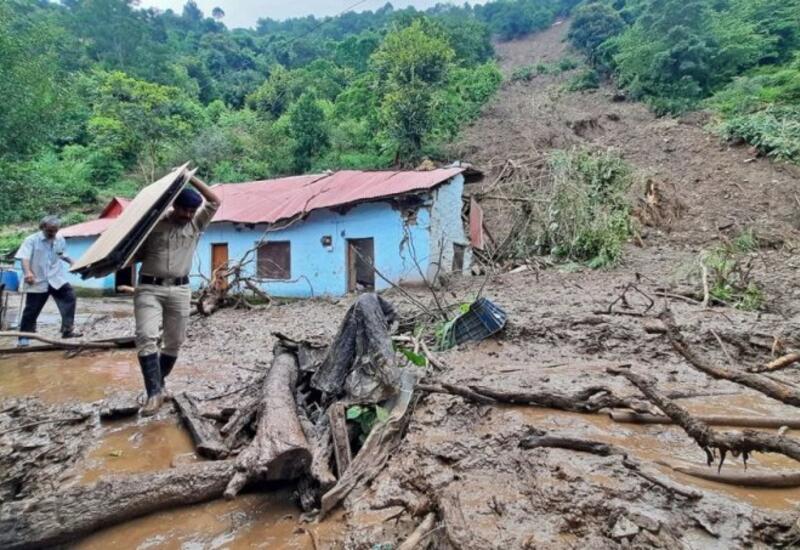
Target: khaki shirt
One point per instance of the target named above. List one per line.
(169, 249)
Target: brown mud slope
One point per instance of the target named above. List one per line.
(724, 189)
(462, 461)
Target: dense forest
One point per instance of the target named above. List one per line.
(101, 96)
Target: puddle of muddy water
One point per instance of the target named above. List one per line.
(652, 443)
(266, 520)
(132, 448)
(53, 379)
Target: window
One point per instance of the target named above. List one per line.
(274, 260)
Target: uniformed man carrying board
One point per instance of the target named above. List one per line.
(163, 295)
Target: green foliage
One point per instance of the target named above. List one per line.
(308, 129)
(11, 239)
(586, 215)
(585, 80)
(101, 97)
(592, 25)
(411, 64)
(31, 83)
(763, 109)
(728, 271)
(134, 120)
(529, 72)
(366, 416)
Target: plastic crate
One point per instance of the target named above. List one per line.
(481, 321)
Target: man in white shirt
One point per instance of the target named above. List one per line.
(42, 256)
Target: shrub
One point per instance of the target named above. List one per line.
(586, 80)
(775, 131)
(728, 270)
(585, 216)
(524, 73)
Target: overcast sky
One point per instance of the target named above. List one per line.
(245, 13)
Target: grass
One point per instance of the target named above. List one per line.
(584, 215)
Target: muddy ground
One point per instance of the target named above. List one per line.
(463, 460)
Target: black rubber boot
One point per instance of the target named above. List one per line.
(151, 372)
(166, 362)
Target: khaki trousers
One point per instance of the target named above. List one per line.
(156, 306)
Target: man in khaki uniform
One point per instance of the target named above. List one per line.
(163, 296)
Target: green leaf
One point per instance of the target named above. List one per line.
(381, 413)
(354, 412)
(415, 358)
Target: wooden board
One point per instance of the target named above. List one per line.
(116, 246)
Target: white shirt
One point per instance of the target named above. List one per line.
(45, 258)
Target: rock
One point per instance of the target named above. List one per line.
(624, 528)
(646, 522)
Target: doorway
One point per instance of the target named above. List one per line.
(125, 277)
(219, 263)
(360, 262)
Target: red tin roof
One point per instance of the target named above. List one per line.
(94, 227)
(270, 201)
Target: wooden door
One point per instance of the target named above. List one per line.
(219, 264)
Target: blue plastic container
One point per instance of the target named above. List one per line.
(10, 279)
(481, 321)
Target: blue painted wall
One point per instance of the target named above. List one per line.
(318, 270)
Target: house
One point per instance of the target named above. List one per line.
(323, 234)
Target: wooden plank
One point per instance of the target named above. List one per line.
(205, 435)
(341, 440)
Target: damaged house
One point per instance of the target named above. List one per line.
(314, 235)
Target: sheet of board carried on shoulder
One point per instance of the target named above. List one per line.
(118, 244)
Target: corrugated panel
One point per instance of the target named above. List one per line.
(117, 245)
(271, 201)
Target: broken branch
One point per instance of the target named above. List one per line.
(745, 442)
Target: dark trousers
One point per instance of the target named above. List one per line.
(34, 302)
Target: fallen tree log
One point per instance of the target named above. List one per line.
(52, 344)
(712, 420)
(775, 390)
(204, 434)
(65, 515)
(537, 441)
(279, 449)
(764, 480)
(588, 400)
(778, 364)
(743, 442)
(384, 438)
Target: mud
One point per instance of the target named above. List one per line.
(461, 460)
